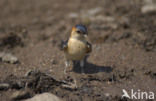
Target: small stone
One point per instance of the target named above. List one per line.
(7, 57)
(4, 86)
(45, 97)
(107, 94)
(90, 14)
(73, 15)
(94, 11)
(148, 8)
(22, 94)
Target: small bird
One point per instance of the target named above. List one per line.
(77, 46)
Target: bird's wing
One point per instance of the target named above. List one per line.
(89, 47)
(64, 45)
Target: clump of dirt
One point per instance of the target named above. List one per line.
(11, 41)
(39, 82)
(14, 37)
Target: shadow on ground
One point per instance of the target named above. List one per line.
(90, 68)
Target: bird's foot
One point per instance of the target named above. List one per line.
(67, 65)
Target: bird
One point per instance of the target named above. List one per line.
(77, 47)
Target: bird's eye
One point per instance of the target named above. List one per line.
(78, 31)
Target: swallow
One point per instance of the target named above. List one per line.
(77, 46)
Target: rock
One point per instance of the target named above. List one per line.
(7, 57)
(45, 97)
(4, 86)
(148, 8)
(89, 14)
(107, 94)
(73, 15)
(85, 13)
(94, 11)
(22, 94)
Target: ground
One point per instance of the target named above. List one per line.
(123, 39)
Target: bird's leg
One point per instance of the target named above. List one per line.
(75, 63)
(82, 65)
(67, 64)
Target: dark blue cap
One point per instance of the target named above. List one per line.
(82, 28)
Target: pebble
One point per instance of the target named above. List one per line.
(73, 15)
(45, 97)
(107, 95)
(7, 57)
(4, 86)
(94, 11)
(148, 8)
(85, 13)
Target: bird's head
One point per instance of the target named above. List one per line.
(79, 31)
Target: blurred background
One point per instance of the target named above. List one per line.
(122, 32)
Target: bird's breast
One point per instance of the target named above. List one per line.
(76, 49)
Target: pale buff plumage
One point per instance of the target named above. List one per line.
(77, 48)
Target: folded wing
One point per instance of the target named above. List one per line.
(89, 47)
(64, 45)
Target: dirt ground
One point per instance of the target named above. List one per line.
(123, 39)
